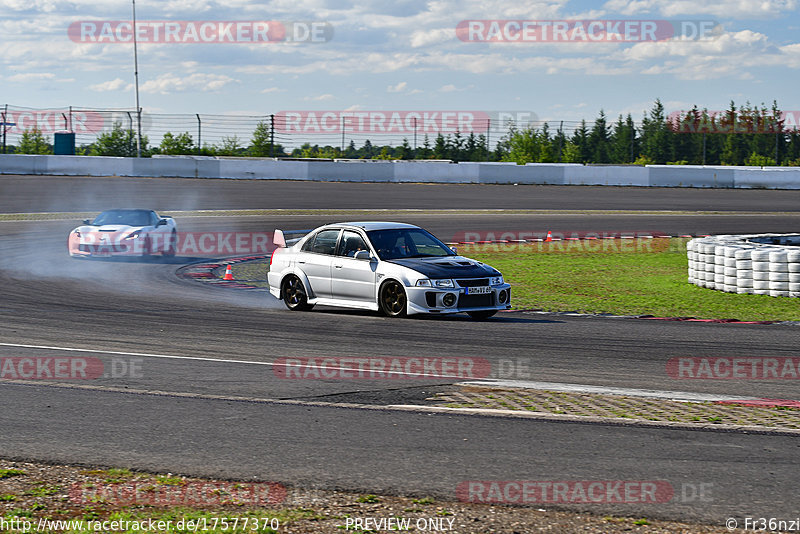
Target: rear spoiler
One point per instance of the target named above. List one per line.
(287, 238)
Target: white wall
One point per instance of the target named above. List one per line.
(406, 171)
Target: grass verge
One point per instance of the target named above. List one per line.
(626, 277)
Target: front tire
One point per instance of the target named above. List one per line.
(481, 315)
(294, 294)
(392, 299)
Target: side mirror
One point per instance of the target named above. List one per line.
(363, 255)
(87, 221)
(454, 250)
(162, 222)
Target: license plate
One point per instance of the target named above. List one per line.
(481, 290)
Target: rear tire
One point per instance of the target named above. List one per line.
(170, 250)
(294, 294)
(147, 253)
(481, 315)
(392, 299)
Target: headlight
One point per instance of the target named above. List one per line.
(496, 280)
(424, 283)
(134, 235)
(443, 283)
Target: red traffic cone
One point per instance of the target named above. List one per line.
(549, 236)
(228, 273)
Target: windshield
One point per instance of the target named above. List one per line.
(407, 243)
(128, 217)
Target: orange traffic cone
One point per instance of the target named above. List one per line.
(549, 236)
(228, 273)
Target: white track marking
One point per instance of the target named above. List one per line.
(549, 386)
(221, 360)
(140, 354)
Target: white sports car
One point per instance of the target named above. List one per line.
(124, 233)
(396, 268)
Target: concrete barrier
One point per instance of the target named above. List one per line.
(406, 171)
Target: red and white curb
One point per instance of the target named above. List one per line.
(207, 272)
(679, 396)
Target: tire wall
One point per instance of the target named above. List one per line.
(735, 264)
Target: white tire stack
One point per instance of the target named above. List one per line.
(737, 265)
(744, 270)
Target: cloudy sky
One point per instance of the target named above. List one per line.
(401, 55)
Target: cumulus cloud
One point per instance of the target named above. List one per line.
(31, 77)
(110, 85)
(737, 9)
(172, 83)
(319, 98)
(398, 88)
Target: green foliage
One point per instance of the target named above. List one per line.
(757, 160)
(260, 144)
(742, 135)
(176, 144)
(117, 142)
(623, 277)
(33, 142)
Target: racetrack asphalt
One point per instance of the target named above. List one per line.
(52, 301)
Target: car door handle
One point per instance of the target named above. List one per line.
(298, 261)
(338, 266)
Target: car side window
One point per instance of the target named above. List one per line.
(351, 243)
(323, 242)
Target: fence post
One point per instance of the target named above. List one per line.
(704, 148)
(633, 140)
(272, 135)
(199, 138)
(5, 126)
(415, 137)
(131, 137)
(561, 139)
(343, 134)
(488, 133)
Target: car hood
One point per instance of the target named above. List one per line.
(108, 228)
(447, 267)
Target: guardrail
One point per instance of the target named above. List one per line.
(761, 264)
(405, 171)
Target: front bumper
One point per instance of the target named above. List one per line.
(431, 300)
(79, 247)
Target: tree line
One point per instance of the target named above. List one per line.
(743, 135)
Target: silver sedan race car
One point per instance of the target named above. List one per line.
(396, 268)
